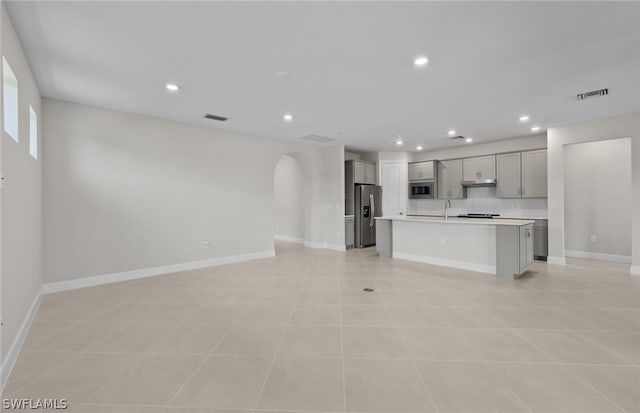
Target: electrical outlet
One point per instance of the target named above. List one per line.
(205, 243)
(443, 242)
(594, 238)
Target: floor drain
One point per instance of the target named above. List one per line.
(368, 290)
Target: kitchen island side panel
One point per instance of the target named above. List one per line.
(468, 247)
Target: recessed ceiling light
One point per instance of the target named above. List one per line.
(469, 140)
(535, 128)
(524, 118)
(288, 117)
(172, 87)
(421, 61)
(419, 147)
(399, 142)
(451, 132)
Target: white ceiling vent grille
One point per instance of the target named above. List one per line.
(317, 138)
(593, 94)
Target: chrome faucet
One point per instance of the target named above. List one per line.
(447, 205)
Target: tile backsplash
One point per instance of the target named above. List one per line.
(481, 200)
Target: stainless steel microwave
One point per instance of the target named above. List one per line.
(422, 189)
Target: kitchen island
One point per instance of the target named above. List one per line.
(503, 247)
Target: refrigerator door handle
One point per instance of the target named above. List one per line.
(373, 210)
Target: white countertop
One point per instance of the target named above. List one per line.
(506, 216)
(458, 221)
(521, 217)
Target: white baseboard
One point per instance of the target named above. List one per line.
(556, 260)
(288, 238)
(311, 244)
(598, 256)
(12, 354)
(469, 266)
(325, 245)
(18, 341)
(149, 272)
(634, 270)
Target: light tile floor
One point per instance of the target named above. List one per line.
(296, 333)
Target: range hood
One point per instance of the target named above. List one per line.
(479, 182)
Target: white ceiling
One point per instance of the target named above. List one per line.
(351, 64)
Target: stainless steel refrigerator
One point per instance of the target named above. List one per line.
(368, 206)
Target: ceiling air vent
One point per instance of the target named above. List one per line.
(593, 94)
(317, 138)
(215, 117)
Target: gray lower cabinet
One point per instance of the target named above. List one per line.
(349, 231)
(514, 249)
(526, 247)
(540, 239)
(449, 178)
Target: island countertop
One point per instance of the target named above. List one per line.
(458, 221)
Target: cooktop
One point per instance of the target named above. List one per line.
(478, 215)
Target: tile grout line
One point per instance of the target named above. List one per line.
(75, 324)
(277, 350)
(560, 365)
(413, 362)
(135, 360)
(204, 359)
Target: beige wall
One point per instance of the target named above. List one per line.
(597, 199)
(21, 205)
(624, 126)
(125, 192)
(288, 196)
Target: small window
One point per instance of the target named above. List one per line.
(10, 99)
(33, 133)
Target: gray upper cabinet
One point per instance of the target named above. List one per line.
(370, 173)
(508, 179)
(522, 174)
(449, 177)
(481, 167)
(363, 172)
(359, 172)
(420, 171)
(534, 174)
